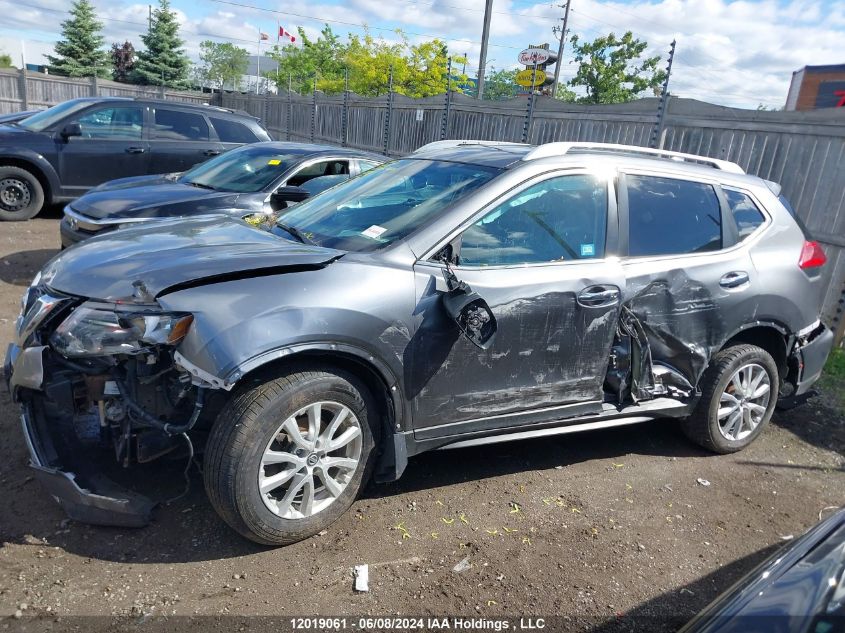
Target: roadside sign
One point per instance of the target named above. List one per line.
(420, 112)
(532, 56)
(530, 78)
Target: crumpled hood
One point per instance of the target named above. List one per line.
(151, 197)
(173, 254)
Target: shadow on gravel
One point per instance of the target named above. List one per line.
(189, 530)
(669, 611)
(18, 269)
(447, 467)
(816, 424)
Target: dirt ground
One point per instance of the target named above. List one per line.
(606, 530)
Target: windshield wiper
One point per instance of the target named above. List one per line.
(200, 185)
(300, 237)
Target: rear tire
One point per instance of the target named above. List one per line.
(269, 475)
(21, 194)
(739, 393)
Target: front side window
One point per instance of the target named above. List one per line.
(116, 124)
(40, 121)
(321, 168)
(383, 205)
(177, 125)
(559, 219)
(746, 214)
(667, 216)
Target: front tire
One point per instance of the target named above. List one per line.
(21, 194)
(287, 457)
(739, 393)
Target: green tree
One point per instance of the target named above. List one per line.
(612, 70)
(222, 64)
(164, 61)
(5, 60)
(419, 70)
(123, 61)
(80, 53)
(500, 84)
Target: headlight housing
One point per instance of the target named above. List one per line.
(107, 330)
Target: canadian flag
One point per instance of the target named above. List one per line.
(283, 33)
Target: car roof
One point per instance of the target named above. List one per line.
(308, 150)
(512, 155)
(181, 104)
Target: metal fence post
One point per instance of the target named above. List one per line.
(389, 110)
(444, 125)
(344, 119)
(314, 110)
(290, 101)
(662, 104)
(529, 117)
(23, 90)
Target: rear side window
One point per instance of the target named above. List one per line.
(177, 125)
(667, 216)
(232, 131)
(746, 214)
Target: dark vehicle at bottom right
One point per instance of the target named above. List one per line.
(799, 589)
(470, 293)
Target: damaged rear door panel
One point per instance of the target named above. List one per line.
(687, 287)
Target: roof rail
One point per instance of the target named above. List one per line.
(561, 149)
(463, 142)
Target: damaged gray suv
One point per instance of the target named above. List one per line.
(473, 292)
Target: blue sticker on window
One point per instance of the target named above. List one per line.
(588, 250)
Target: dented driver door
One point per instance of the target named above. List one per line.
(542, 260)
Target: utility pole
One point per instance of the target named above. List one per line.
(563, 32)
(150, 18)
(656, 131)
(485, 36)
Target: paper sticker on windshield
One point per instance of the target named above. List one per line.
(274, 161)
(588, 250)
(374, 231)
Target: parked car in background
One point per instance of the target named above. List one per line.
(251, 181)
(471, 293)
(13, 117)
(62, 152)
(798, 589)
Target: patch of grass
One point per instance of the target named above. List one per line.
(832, 381)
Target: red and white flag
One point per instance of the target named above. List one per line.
(263, 36)
(286, 34)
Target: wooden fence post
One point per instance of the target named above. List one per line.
(23, 90)
(95, 86)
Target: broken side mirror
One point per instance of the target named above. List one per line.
(469, 311)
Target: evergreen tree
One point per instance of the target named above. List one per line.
(79, 53)
(123, 61)
(164, 61)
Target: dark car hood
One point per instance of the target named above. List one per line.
(9, 133)
(152, 198)
(174, 254)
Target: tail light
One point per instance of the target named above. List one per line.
(812, 256)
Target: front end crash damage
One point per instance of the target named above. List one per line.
(100, 390)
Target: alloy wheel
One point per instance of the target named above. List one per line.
(744, 402)
(310, 460)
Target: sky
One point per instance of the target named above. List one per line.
(736, 53)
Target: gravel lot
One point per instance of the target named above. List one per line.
(608, 529)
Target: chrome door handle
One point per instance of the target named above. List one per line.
(734, 279)
(212, 152)
(135, 150)
(598, 296)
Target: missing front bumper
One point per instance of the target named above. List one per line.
(106, 504)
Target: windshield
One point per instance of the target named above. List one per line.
(384, 204)
(245, 170)
(46, 118)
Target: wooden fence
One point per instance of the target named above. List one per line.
(803, 151)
